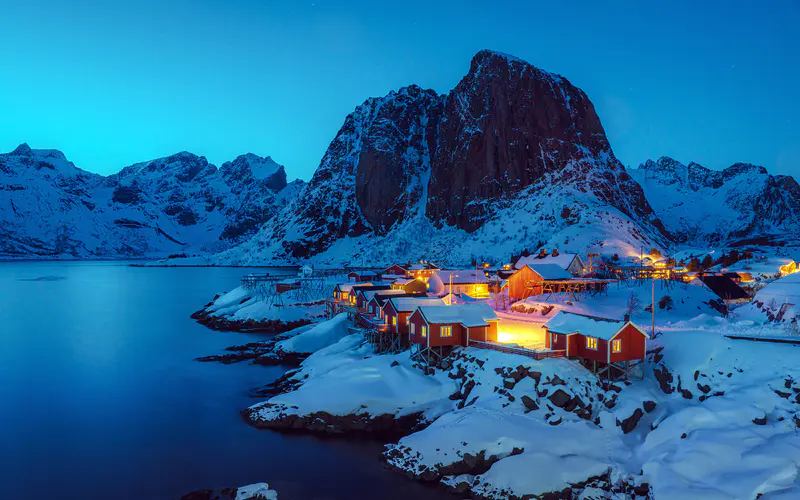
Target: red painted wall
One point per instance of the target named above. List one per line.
(482, 333)
(573, 341)
(396, 270)
(435, 339)
(633, 345)
(518, 280)
(600, 354)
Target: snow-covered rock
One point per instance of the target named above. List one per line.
(180, 204)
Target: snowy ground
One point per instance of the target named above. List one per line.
(713, 417)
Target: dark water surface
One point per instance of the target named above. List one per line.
(100, 396)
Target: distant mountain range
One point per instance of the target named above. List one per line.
(175, 205)
(512, 158)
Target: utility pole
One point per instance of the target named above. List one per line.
(653, 309)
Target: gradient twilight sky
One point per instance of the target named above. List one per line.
(112, 83)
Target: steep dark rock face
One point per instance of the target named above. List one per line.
(509, 142)
(371, 176)
(395, 151)
(505, 125)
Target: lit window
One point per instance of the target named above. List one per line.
(616, 345)
(394, 320)
(446, 331)
(591, 342)
(424, 331)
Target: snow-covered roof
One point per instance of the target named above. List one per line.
(550, 271)
(368, 294)
(408, 304)
(592, 326)
(563, 260)
(346, 287)
(786, 289)
(364, 273)
(468, 315)
(404, 282)
(461, 276)
(421, 267)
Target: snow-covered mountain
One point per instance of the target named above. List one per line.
(703, 207)
(511, 157)
(178, 204)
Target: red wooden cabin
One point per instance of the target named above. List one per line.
(412, 285)
(610, 342)
(396, 311)
(362, 276)
(363, 294)
(352, 293)
(528, 280)
(396, 270)
(442, 326)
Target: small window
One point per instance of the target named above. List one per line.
(591, 343)
(446, 331)
(411, 328)
(616, 345)
(424, 331)
(394, 320)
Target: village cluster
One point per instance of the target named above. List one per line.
(430, 311)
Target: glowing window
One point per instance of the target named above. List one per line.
(616, 345)
(591, 342)
(446, 331)
(424, 331)
(394, 320)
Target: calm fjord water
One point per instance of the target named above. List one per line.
(100, 396)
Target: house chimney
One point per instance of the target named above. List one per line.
(626, 318)
(542, 252)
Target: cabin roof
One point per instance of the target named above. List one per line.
(408, 304)
(462, 276)
(549, 271)
(347, 287)
(567, 323)
(724, 287)
(382, 296)
(368, 294)
(468, 315)
(403, 282)
(562, 260)
(363, 273)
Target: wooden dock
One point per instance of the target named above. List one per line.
(775, 340)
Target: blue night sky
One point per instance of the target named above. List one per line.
(115, 82)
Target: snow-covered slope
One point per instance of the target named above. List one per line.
(178, 204)
(704, 207)
(513, 155)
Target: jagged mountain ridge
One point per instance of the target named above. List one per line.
(705, 208)
(512, 156)
(49, 208)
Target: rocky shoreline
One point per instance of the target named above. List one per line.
(245, 326)
(385, 425)
(258, 353)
